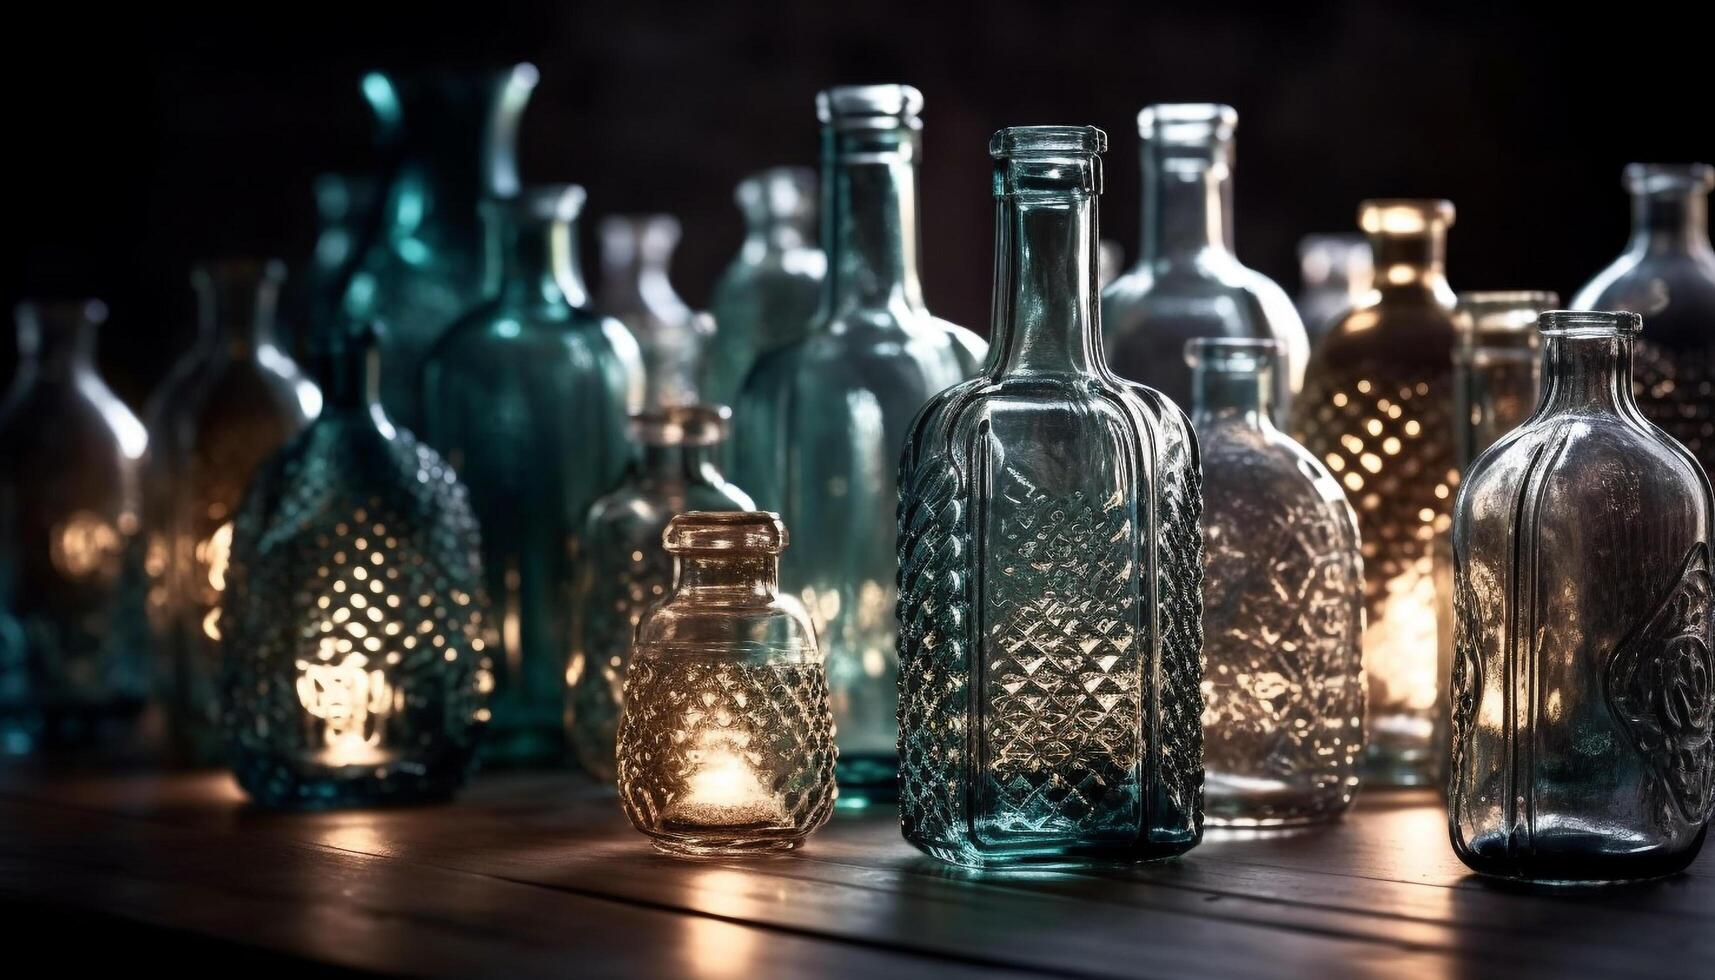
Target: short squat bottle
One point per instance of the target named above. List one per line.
(1050, 566)
(622, 569)
(1582, 706)
(1283, 605)
(726, 745)
(636, 254)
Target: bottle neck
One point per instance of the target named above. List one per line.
(236, 312)
(636, 257)
(1674, 221)
(535, 263)
(1187, 206)
(678, 462)
(1223, 395)
(1046, 282)
(770, 231)
(744, 578)
(1414, 263)
(1587, 372)
(353, 378)
(870, 225)
(52, 350)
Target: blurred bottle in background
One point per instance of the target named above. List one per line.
(637, 289)
(1336, 273)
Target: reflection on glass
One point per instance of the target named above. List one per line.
(1336, 273)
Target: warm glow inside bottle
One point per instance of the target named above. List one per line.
(726, 743)
(636, 255)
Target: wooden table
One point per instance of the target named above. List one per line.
(541, 875)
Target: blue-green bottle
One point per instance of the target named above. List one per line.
(820, 422)
(527, 396)
(1050, 566)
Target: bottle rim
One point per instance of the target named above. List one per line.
(710, 531)
(1404, 215)
(786, 190)
(41, 312)
(681, 425)
(1047, 141)
(887, 106)
(1589, 323)
(1659, 178)
(1191, 123)
(1245, 355)
(242, 268)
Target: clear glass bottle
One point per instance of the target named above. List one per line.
(1667, 274)
(1582, 724)
(344, 202)
(354, 640)
(73, 633)
(623, 569)
(1336, 273)
(228, 404)
(1283, 605)
(766, 298)
(820, 423)
(1377, 408)
(726, 744)
(636, 251)
(1187, 282)
(1050, 566)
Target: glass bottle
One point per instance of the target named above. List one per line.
(1581, 689)
(1377, 408)
(344, 203)
(1050, 566)
(1283, 605)
(448, 142)
(1187, 282)
(636, 251)
(354, 663)
(228, 404)
(73, 632)
(820, 423)
(726, 744)
(768, 295)
(1336, 272)
(622, 568)
(526, 398)
(1667, 274)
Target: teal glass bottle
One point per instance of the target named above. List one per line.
(447, 142)
(526, 397)
(344, 202)
(820, 420)
(623, 568)
(74, 665)
(637, 290)
(766, 298)
(1050, 566)
(354, 645)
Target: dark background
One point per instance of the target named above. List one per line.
(147, 141)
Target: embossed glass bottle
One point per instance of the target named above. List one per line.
(1187, 282)
(1667, 274)
(1336, 274)
(1283, 605)
(1582, 724)
(230, 402)
(820, 422)
(622, 567)
(636, 251)
(766, 298)
(73, 635)
(1377, 409)
(726, 744)
(354, 668)
(526, 397)
(1050, 566)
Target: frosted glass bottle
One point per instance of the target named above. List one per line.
(1050, 566)
(636, 253)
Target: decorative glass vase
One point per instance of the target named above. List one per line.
(1377, 408)
(1050, 566)
(1187, 282)
(448, 143)
(1667, 274)
(228, 404)
(636, 251)
(1283, 605)
(726, 743)
(1582, 731)
(526, 398)
(1336, 273)
(74, 638)
(819, 424)
(353, 625)
(623, 569)
(766, 298)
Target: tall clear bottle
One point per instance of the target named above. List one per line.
(1187, 282)
(73, 634)
(230, 402)
(820, 422)
(1336, 272)
(1667, 274)
(526, 396)
(1377, 408)
(1283, 604)
(1582, 722)
(1050, 566)
(636, 289)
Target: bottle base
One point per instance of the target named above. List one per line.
(283, 783)
(1580, 861)
(717, 848)
(1060, 858)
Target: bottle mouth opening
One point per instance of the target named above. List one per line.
(681, 425)
(1237, 355)
(1589, 323)
(246, 271)
(870, 107)
(788, 192)
(1048, 142)
(714, 532)
(1668, 178)
(542, 202)
(1404, 216)
(1187, 123)
(56, 313)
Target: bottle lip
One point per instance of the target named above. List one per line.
(887, 106)
(1661, 178)
(681, 425)
(240, 268)
(542, 202)
(1047, 142)
(1404, 215)
(1502, 312)
(1234, 354)
(1589, 323)
(41, 312)
(708, 531)
(787, 191)
(1188, 123)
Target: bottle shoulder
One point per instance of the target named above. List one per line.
(1244, 460)
(860, 353)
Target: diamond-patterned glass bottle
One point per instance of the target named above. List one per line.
(622, 567)
(636, 253)
(1283, 605)
(1336, 273)
(1583, 717)
(1377, 409)
(1050, 566)
(820, 422)
(231, 401)
(353, 648)
(726, 743)
(526, 396)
